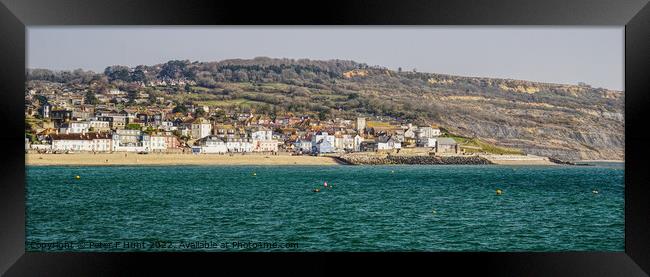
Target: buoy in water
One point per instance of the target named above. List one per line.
(254, 174)
(316, 190)
(325, 184)
(594, 191)
(77, 177)
(433, 211)
(499, 192)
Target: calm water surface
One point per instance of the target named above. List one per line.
(369, 208)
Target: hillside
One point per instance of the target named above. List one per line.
(569, 122)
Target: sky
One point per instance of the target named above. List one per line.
(553, 54)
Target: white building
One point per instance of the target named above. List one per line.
(318, 136)
(302, 145)
(262, 134)
(75, 127)
(263, 141)
(156, 143)
(167, 126)
(210, 145)
(427, 132)
(410, 131)
(427, 142)
(90, 142)
(387, 143)
(130, 141)
(201, 128)
(99, 126)
(357, 143)
(344, 142)
(265, 145)
(239, 145)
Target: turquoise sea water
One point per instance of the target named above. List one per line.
(369, 208)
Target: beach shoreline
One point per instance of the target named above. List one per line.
(122, 158)
(108, 159)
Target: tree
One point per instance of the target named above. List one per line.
(90, 98)
(132, 95)
(199, 112)
(118, 72)
(353, 96)
(219, 115)
(322, 114)
(180, 108)
(133, 126)
(175, 69)
(152, 98)
(138, 75)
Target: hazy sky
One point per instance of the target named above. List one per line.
(593, 55)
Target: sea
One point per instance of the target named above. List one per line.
(363, 208)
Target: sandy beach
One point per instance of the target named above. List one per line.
(122, 158)
(173, 159)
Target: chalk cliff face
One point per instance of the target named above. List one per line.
(568, 122)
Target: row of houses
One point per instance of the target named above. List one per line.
(120, 140)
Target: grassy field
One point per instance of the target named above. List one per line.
(371, 124)
(223, 103)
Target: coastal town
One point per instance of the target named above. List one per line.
(70, 124)
(89, 114)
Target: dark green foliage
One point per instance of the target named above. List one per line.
(180, 108)
(90, 98)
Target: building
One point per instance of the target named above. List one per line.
(447, 146)
(263, 141)
(427, 142)
(238, 144)
(343, 143)
(45, 110)
(88, 142)
(130, 141)
(210, 145)
(427, 132)
(262, 134)
(200, 128)
(357, 143)
(368, 146)
(410, 131)
(265, 145)
(388, 143)
(302, 146)
(322, 146)
(99, 126)
(319, 136)
(75, 127)
(156, 143)
(361, 124)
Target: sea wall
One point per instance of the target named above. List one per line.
(403, 159)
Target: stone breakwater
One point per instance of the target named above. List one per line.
(394, 159)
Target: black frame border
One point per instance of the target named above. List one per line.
(15, 15)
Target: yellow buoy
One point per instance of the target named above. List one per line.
(77, 177)
(499, 192)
